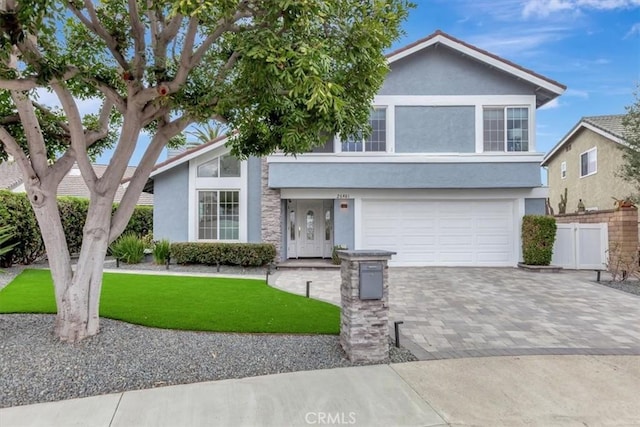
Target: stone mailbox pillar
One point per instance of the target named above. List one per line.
(364, 314)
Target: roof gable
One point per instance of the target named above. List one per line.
(609, 127)
(547, 89)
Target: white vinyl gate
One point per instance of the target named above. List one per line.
(581, 246)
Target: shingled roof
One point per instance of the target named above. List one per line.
(71, 185)
(611, 124)
(10, 175)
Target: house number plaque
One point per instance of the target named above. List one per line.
(342, 196)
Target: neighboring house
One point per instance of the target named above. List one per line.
(445, 178)
(71, 185)
(586, 162)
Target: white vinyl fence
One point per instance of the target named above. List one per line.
(581, 246)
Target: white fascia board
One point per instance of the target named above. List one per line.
(481, 57)
(415, 193)
(510, 157)
(603, 133)
(189, 157)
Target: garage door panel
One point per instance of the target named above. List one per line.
(443, 232)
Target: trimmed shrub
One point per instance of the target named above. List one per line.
(141, 222)
(16, 211)
(538, 236)
(128, 248)
(73, 212)
(6, 234)
(161, 251)
(243, 254)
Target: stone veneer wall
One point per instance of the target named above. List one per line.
(270, 208)
(364, 324)
(622, 224)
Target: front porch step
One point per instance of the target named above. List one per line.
(306, 264)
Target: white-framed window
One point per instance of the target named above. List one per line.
(218, 215)
(589, 162)
(377, 141)
(505, 128)
(225, 166)
(563, 170)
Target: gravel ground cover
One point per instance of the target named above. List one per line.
(629, 286)
(35, 367)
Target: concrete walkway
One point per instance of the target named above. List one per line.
(496, 391)
(471, 312)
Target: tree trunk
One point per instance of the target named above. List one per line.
(77, 292)
(78, 313)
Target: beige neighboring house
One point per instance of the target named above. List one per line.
(71, 185)
(586, 162)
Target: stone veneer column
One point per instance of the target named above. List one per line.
(271, 215)
(364, 328)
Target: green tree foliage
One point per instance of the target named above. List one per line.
(631, 123)
(279, 72)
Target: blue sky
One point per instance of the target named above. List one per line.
(591, 46)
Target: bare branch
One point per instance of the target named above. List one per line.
(105, 114)
(12, 147)
(76, 129)
(139, 45)
(18, 84)
(33, 132)
(136, 184)
(62, 166)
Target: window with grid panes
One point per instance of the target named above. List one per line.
(377, 141)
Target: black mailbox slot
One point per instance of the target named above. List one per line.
(371, 280)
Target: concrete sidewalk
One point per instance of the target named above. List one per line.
(492, 391)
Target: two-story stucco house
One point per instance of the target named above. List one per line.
(445, 178)
(586, 162)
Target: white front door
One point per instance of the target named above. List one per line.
(310, 228)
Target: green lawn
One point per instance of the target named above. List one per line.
(187, 303)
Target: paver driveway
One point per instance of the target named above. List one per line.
(458, 312)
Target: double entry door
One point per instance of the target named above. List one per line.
(309, 228)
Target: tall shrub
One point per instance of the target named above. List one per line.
(73, 212)
(538, 236)
(15, 211)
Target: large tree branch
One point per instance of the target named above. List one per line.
(103, 120)
(19, 84)
(136, 184)
(33, 132)
(139, 44)
(12, 147)
(78, 143)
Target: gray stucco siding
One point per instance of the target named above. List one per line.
(534, 206)
(171, 202)
(254, 190)
(438, 70)
(404, 175)
(344, 223)
(435, 129)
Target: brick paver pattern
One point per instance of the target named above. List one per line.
(462, 312)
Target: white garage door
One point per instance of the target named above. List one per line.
(446, 232)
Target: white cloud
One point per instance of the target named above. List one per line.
(509, 43)
(633, 31)
(86, 106)
(576, 93)
(544, 8)
(554, 103)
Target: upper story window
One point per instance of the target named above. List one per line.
(506, 129)
(563, 170)
(225, 166)
(377, 141)
(589, 162)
